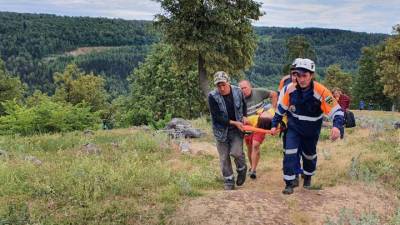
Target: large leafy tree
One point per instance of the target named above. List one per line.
(367, 86)
(389, 67)
(160, 87)
(75, 87)
(216, 34)
(11, 87)
(335, 77)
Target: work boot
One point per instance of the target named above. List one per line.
(307, 182)
(229, 184)
(296, 181)
(241, 177)
(289, 188)
(253, 175)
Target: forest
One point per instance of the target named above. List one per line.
(91, 71)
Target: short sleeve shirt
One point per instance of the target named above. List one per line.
(256, 100)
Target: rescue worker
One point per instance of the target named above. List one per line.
(305, 103)
(285, 81)
(228, 113)
(257, 117)
(288, 78)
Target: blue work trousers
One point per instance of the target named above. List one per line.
(297, 148)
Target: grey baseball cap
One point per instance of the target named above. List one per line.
(220, 76)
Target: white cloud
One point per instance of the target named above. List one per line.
(357, 15)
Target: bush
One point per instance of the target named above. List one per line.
(46, 116)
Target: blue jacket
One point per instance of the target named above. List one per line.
(305, 109)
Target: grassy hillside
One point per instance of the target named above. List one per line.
(137, 176)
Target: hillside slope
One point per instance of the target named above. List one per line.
(27, 39)
(138, 176)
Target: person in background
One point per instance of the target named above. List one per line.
(228, 113)
(342, 99)
(257, 117)
(362, 105)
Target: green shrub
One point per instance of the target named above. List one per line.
(47, 116)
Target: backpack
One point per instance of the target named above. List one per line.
(349, 119)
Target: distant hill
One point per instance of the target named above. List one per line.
(331, 46)
(34, 46)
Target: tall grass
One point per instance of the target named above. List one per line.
(131, 181)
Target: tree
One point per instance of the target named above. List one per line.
(11, 87)
(335, 77)
(389, 67)
(298, 47)
(367, 86)
(76, 87)
(159, 88)
(216, 34)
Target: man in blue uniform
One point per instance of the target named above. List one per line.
(305, 103)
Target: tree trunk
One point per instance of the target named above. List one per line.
(203, 81)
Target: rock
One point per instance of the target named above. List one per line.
(88, 132)
(180, 128)
(114, 144)
(178, 123)
(396, 125)
(184, 146)
(192, 133)
(91, 149)
(2, 152)
(33, 159)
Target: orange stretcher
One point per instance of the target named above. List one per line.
(256, 129)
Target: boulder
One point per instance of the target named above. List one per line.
(90, 149)
(396, 125)
(178, 123)
(33, 159)
(3, 153)
(180, 128)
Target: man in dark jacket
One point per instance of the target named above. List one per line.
(228, 112)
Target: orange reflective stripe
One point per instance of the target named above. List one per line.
(328, 102)
(282, 82)
(286, 97)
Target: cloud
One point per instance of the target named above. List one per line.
(357, 15)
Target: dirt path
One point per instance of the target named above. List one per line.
(261, 202)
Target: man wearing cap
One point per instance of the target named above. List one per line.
(228, 112)
(305, 103)
(257, 117)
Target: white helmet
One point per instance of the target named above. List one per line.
(307, 64)
(296, 61)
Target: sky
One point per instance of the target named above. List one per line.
(372, 16)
